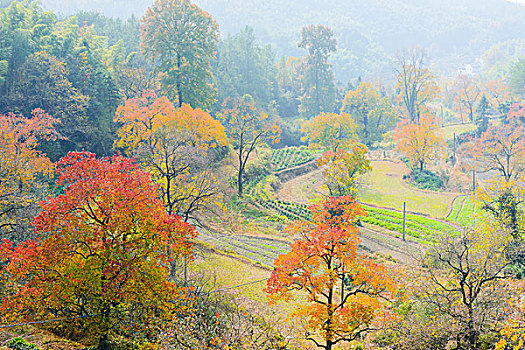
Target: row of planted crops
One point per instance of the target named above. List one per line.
(416, 226)
(290, 157)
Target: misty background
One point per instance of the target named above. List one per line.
(457, 35)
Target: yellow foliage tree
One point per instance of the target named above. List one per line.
(416, 84)
(371, 111)
(175, 146)
(20, 166)
(329, 131)
(341, 168)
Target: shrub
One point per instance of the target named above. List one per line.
(20, 344)
(426, 179)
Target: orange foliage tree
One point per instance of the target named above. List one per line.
(322, 258)
(174, 145)
(419, 142)
(468, 93)
(20, 166)
(501, 147)
(101, 258)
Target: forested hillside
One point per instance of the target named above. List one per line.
(456, 33)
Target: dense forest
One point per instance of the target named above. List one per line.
(262, 175)
(455, 33)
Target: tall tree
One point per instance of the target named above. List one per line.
(371, 111)
(517, 78)
(483, 109)
(467, 95)
(176, 145)
(419, 142)
(101, 258)
(247, 128)
(246, 68)
(415, 83)
(465, 277)
(289, 80)
(324, 257)
(182, 39)
(319, 91)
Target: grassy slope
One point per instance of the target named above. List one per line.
(448, 131)
(384, 186)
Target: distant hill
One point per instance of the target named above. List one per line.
(455, 32)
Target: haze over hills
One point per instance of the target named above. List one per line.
(368, 32)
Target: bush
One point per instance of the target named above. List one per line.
(426, 179)
(21, 344)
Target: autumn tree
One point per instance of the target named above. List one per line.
(371, 110)
(318, 79)
(501, 147)
(43, 82)
(340, 169)
(23, 170)
(324, 257)
(248, 128)
(344, 158)
(329, 131)
(467, 95)
(415, 83)
(465, 277)
(182, 40)
(176, 145)
(101, 258)
(419, 142)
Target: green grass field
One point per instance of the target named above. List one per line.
(448, 131)
(465, 211)
(384, 186)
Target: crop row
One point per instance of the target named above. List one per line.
(415, 226)
(290, 157)
(422, 223)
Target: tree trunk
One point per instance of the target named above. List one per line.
(179, 92)
(239, 175)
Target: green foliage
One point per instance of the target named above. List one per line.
(317, 77)
(245, 68)
(183, 53)
(425, 179)
(290, 157)
(21, 344)
(517, 77)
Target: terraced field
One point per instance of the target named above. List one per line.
(257, 249)
(290, 157)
